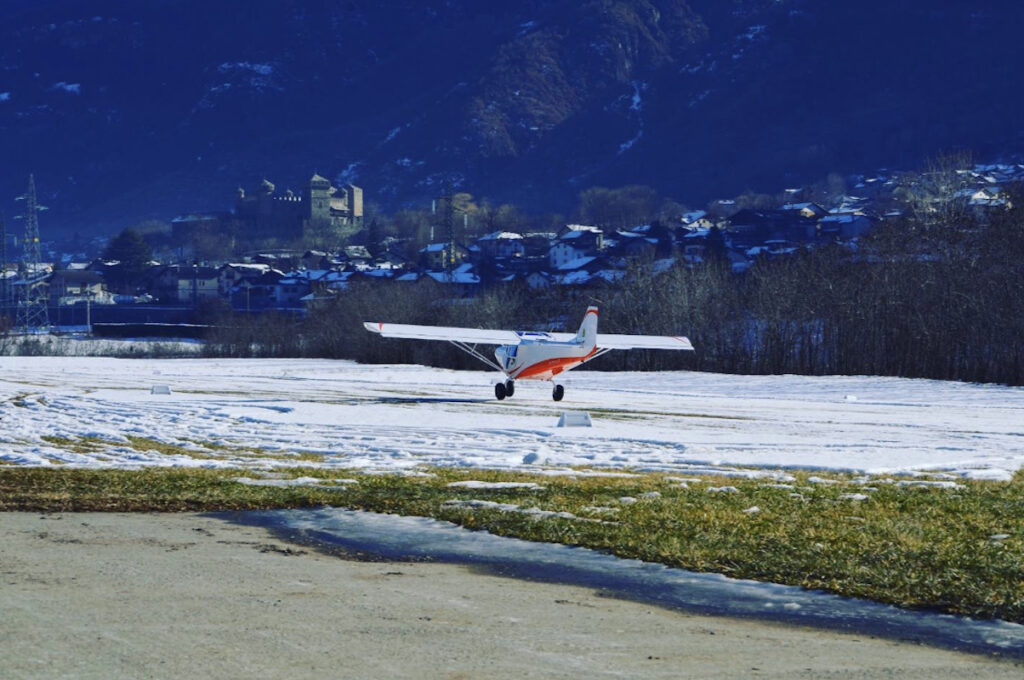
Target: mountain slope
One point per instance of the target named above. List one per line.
(128, 110)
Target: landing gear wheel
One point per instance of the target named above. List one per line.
(499, 390)
(558, 392)
(510, 388)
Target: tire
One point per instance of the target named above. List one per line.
(558, 392)
(499, 391)
(510, 388)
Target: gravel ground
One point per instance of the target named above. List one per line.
(183, 595)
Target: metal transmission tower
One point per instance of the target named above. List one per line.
(32, 302)
(5, 286)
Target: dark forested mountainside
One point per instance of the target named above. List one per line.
(128, 110)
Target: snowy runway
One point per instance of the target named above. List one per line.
(260, 413)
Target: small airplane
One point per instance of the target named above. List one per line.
(532, 355)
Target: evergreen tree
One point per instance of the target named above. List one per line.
(131, 250)
(715, 248)
(133, 255)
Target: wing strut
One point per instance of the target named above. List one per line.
(472, 351)
(601, 351)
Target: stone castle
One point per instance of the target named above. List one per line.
(321, 207)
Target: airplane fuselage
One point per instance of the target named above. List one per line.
(541, 360)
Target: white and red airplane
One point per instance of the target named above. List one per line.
(531, 355)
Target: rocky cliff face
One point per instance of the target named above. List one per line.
(127, 110)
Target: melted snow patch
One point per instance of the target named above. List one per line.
(532, 513)
(297, 481)
(920, 483)
(397, 537)
(494, 485)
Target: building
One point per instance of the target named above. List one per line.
(321, 207)
(811, 211)
(501, 245)
(575, 241)
(70, 286)
(192, 284)
(434, 256)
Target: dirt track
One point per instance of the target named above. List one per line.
(169, 596)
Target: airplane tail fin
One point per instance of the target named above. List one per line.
(587, 333)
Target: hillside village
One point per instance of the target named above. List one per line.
(81, 291)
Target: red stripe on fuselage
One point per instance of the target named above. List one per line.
(544, 370)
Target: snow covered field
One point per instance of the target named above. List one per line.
(274, 413)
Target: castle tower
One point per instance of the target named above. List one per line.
(319, 199)
(355, 203)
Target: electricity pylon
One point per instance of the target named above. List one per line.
(5, 288)
(33, 311)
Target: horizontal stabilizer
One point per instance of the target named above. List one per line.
(612, 341)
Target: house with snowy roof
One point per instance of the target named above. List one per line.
(434, 256)
(500, 245)
(68, 286)
(462, 281)
(316, 259)
(844, 226)
(635, 246)
(575, 241)
(805, 210)
(256, 292)
(191, 284)
(356, 256)
(696, 219)
(987, 197)
(230, 274)
(290, 291)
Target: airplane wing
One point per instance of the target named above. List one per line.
(452, 334)
(613, 341)
(501, 337)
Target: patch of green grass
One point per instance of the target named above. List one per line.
(213, 450)
(147, 444)
(304, 456)
(955, 550)
(78, 445)
(249, 452)
(93, 445)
